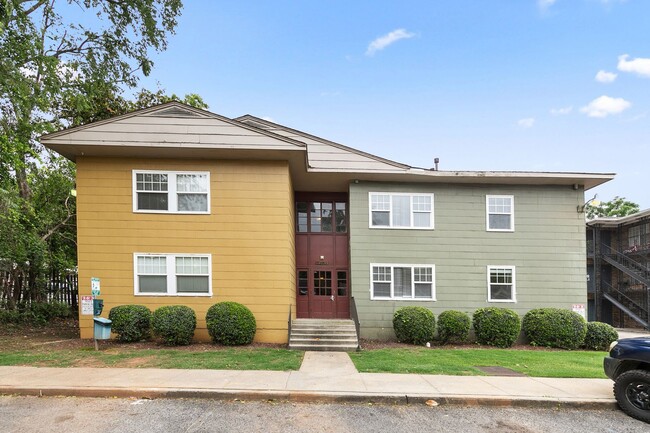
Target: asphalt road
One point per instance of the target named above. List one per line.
(92, 415)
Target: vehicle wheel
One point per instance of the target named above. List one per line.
(632, 392)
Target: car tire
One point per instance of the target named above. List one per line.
(632, 392)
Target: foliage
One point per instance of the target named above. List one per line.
(131, 322)
(453, 326)
(414, 325)
(463, 362)
(231, 324)
(617, 207)
(174, 324)
(494, 326)
(56, 72)
(554, 327)
(35, 314)
(599, 336)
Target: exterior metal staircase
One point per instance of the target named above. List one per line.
(639, 312)
(626, 264)
(323, 335)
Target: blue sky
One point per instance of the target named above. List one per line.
(521, 85)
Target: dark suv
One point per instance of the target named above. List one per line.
(628, 365)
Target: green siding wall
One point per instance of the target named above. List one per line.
(547, 248)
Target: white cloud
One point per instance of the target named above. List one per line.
(545, 4)
(605, 77)
(527, 122)
(604, 106)
(561, 111)
(383, 41)
(638, 66)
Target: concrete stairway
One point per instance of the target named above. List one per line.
(334, 335)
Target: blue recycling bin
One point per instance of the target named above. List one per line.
(102, 328)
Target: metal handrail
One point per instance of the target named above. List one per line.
(631, 304)
(355, 318)
(289, 327)
(626, 261)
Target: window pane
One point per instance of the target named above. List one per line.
(152, 201)
(152, 284)
(302, 282)
(501, 291)
(341, 283)
(323, 283)
(380, 218)
(381, 273)
(315, 218)
(423, 290)
(421, 219)
(192, 183)
(402, 285)
(302, 217)
(191, 284)
(151, 182)
(500, 222)
(326, 217)
(380, 202)
(422, 203)
(381, 290)
(401, 211)
(193, 202)
(341, 221)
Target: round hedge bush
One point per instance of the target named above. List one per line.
(599, 336)
(554, 327)
(453, 326)
(414, 325)
(494, 326)
(231, 323)
(174, 324)
(130, 322)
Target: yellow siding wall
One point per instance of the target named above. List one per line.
(249, 233)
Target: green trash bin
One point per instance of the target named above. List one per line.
(102, 328)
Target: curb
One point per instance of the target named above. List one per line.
(313, 397)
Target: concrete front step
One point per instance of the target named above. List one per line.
(323, 335)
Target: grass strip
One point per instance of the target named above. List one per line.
(462, 362)
(222, 359)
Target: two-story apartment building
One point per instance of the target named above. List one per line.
(182, 206)
(618, 265)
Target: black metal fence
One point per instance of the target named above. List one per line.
(16, 288)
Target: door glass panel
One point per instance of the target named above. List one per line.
(342, 283)
(303, 281)
(323, 283)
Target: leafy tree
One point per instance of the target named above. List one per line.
(63, 63)
(617, 207)
(46, 59)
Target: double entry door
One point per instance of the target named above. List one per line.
(322, 260)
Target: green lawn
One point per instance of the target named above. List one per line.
(462, 362)
(226, 359)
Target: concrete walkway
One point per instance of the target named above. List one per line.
(323, 376)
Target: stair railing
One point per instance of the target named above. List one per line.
(355, 318)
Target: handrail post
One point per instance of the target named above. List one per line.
(289, 327)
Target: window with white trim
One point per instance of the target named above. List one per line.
(399, 282)
(500, 213)
(501, 284)
(171, 191)
(403, 211)
(173, 274)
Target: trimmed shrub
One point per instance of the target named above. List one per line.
(599, 336)
(414, 325)
(174, 324)
(453, 326)
(554, 327)
(494, 326)
(131, 322)
(231, 324)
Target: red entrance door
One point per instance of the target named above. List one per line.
(322, 256)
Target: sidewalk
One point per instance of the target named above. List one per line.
(323, 377)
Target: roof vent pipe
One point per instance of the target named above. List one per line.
(435, 163)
